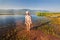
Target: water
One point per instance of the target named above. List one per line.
(8, 20)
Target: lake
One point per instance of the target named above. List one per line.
(8, 20)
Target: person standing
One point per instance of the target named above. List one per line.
(28, 21)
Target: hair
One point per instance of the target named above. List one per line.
(27, 13)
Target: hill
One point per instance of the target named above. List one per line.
(19, 11)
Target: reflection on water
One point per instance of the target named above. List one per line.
(7, 20)
(9, 25)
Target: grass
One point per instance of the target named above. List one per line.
(49, 31)
(54, 27)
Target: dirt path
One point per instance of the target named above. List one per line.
(34, 35)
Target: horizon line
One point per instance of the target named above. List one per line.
(26, 8)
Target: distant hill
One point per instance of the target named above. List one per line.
(19, 11)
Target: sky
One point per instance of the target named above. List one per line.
(50, 5)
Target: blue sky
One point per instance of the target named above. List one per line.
(51, 5)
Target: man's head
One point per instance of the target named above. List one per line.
(27, 12)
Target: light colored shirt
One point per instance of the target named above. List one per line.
(28, 19)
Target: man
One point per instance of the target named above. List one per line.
(28, 20)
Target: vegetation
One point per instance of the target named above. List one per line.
(48, 14)
(50, 31)
(9, 34)
(41, 14)
(53, 28)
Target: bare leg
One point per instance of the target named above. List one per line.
(27, 27)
